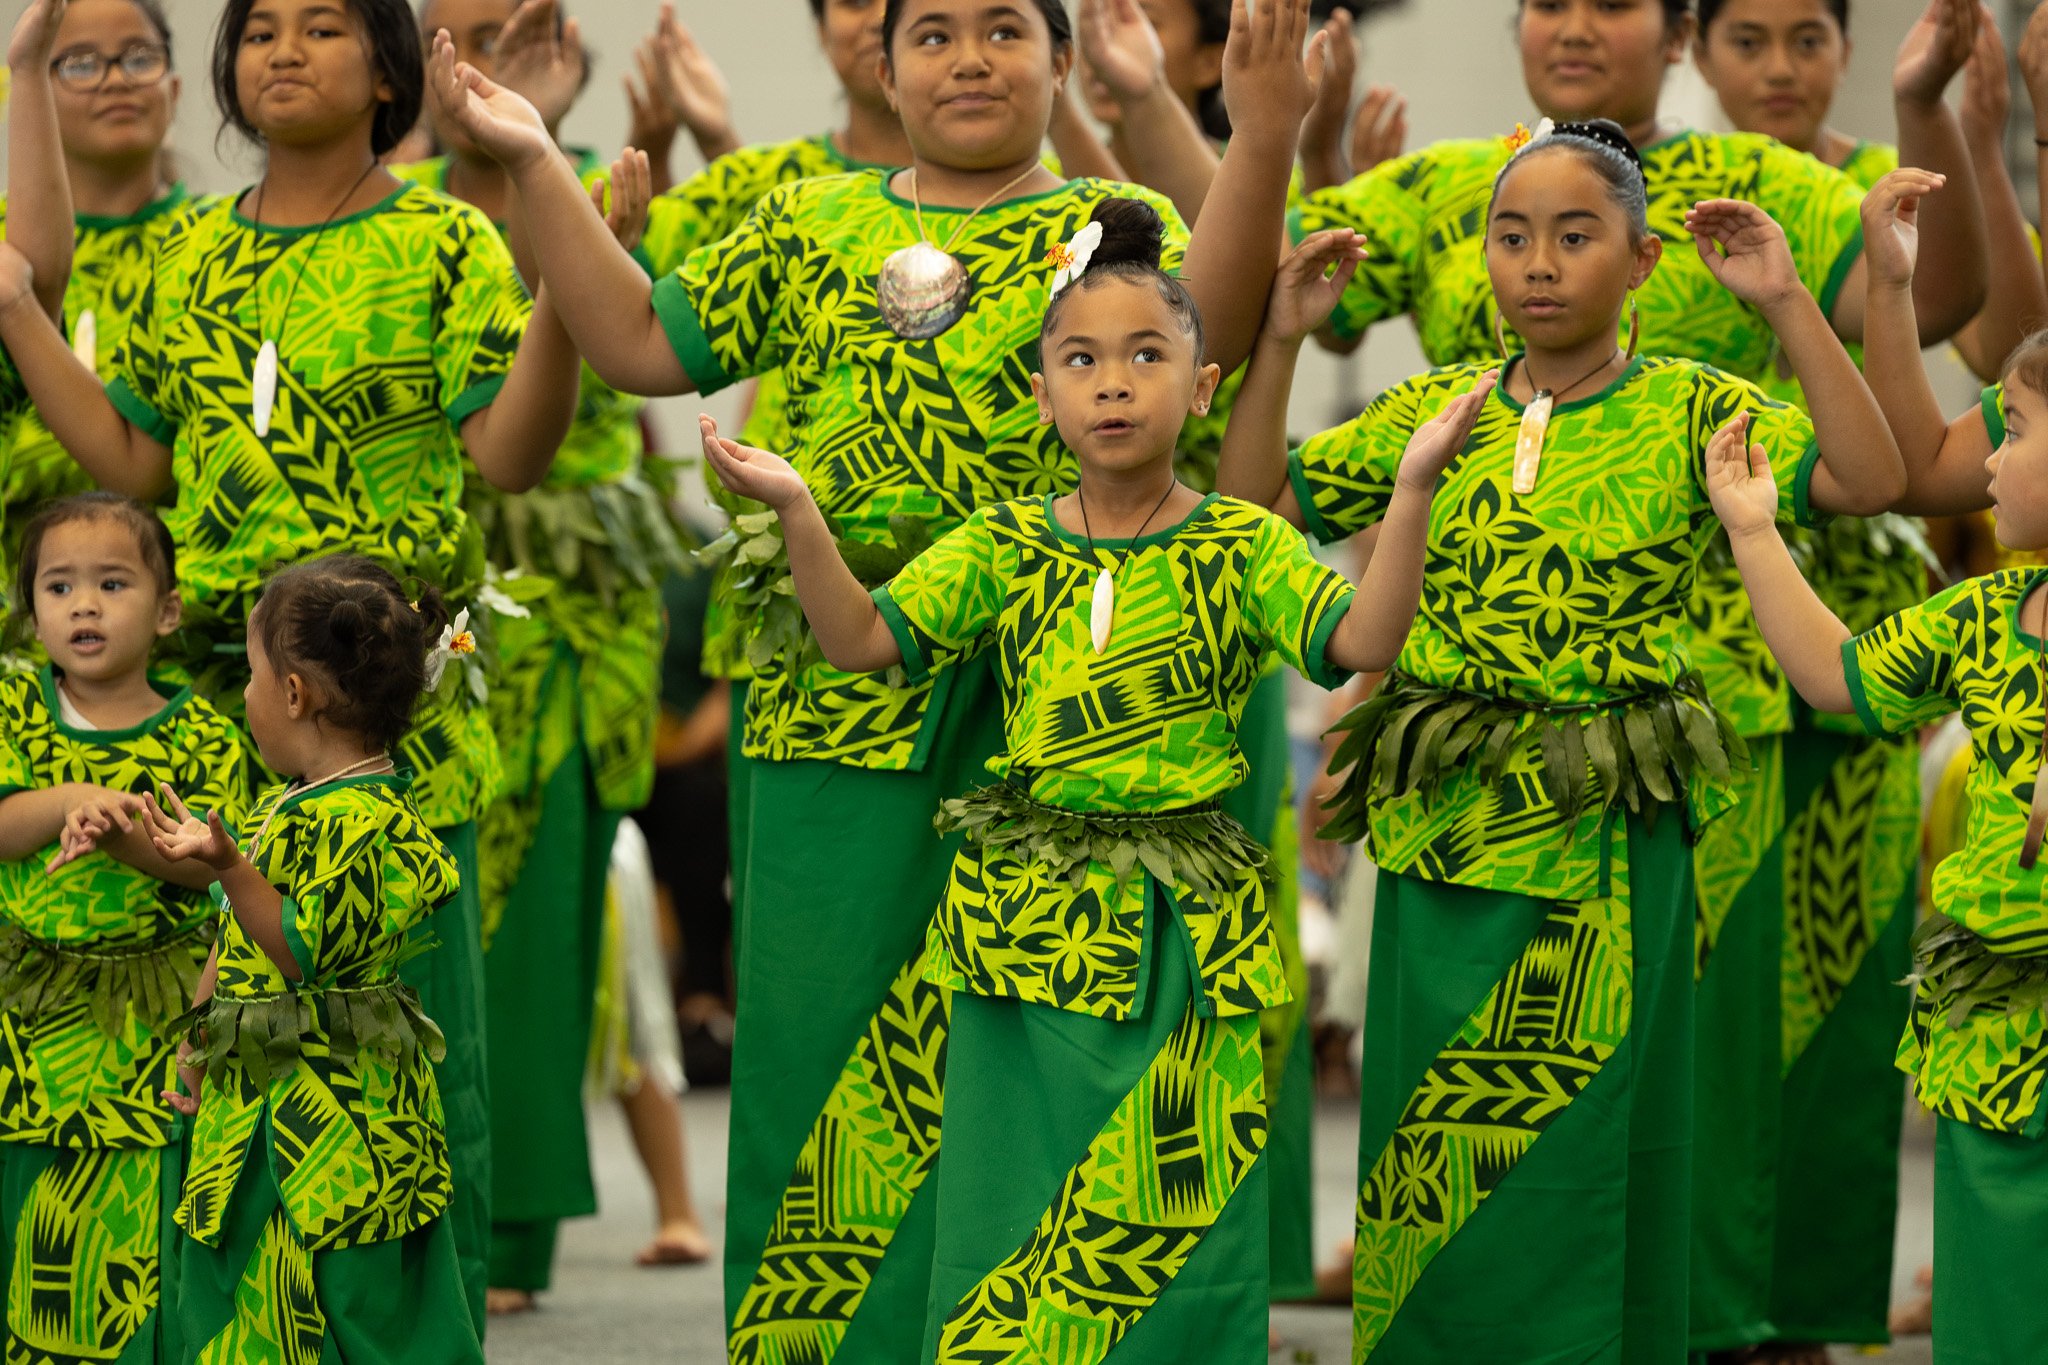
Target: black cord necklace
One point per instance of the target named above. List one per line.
(263, 383)
(1102, 612)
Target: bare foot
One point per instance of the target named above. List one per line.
(504, 1302)
(676, 1244)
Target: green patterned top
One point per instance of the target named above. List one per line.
(1966, 651)
(65, 1079)
(880, 426)
(1573, 596)
(394, 326)
(1147, 727)
(355, 1143)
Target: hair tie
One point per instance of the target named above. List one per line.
(1071, 261)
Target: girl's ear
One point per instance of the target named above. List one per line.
(169, 613)
(1679, 38)
(1647, 255)
(1044, 400)
(887, 74)
(1062, 67)
(1206, 380)
(298, 697)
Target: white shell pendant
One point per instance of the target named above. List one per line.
(263, 388)
(1102, 611)
(1529, 442)
(85, 340)
(921, 291)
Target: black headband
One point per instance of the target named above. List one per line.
(1607, 135)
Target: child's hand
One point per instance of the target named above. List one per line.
(1379, 130)
(1268, 85)
(1935, 49)
(1739, 481)
(1121, 48)
(510, 130)
(752, 473)
(1437, 442)
(1311, 281)
(1891, 224)
(187, 1101)
(540, 56)
(1987, 98)
(623, 199)
(1753, 261)
(206, 841)
(1322, 132)
(35, 37)
(99, 812)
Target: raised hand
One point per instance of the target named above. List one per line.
(1379, 130)
(1745, 250)
(751, 473)
(652, 121)
(2034, 66)
(1437, 442)
(1936, 49)
(540, 57)
(1322, 132)
(100, 813)
(1891, 224)
(179, 834)
(623, 197)
(693, 86)
(1739, 481)
(1987, 93)
(1268, 85)
(501, 121)
(1120, 48)
(35, 37)
(1311, 281)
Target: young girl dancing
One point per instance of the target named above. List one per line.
(1531, 773)
(319, 1166)
(102, 939)
(1106, 929)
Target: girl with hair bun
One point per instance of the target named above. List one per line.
(1105, 929)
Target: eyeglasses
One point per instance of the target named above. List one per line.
(141, 64)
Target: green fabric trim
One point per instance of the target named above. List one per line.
(302, 229)
(1802, 490)
(266, 1035)
(294, 940)
(155, 208)
(1311, 520)
(1852, 673)
(686, 335)
(1515, 405)
(155, 979)
(176, 696)
(1321, 671)
(145, 418)
(1994, 416)
(475, 399)
(1159, 537)
(915, 665)
(1957, 971)
(1838, 273)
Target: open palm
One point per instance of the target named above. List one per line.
(1437, 442)
(1744, 249)
(502, 122)
(35, 35)
(1739, 481)
(751, 473)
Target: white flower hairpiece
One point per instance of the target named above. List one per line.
(455, 640)
(1073, 258)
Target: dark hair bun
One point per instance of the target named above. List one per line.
(1132, 234)
(1607, 133)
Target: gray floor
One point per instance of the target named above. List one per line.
(603, 1309)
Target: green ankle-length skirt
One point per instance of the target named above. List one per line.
(1526, 1125)
(1851, 889)
(262, 1297)
(1990, 1225)
(739, 809)
(83, 1232)
(1125, 1221)
(839, 1047)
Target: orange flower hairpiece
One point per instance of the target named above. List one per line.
(1519, 138)
(1061, 256)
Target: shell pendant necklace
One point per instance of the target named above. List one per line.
(369, 767)
(1102, 609)
(263, 379)
(2037, 816)
(1536, 424)
(923, 289)
(85, 340)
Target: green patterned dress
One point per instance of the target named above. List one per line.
(318, 1170)
(1976, 1043)
(900, 441)
(573, 704)
(1107, 934)
(96, 962)
(1530, 1010)
(394, 326)
(1424, 216)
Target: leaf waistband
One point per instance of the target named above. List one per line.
(1956, 970)
(155, 979)
(266, 1035)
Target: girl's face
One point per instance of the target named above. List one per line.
(1560, 253)
(99, 607)
(304, 73)
(1192, 65)
(1121, 376)
(474, 26)
(850, 32)
(2019, 471)
(125, 110)
(1588, 59)
(1775, 64)
(974, 80)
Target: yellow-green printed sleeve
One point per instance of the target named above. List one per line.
(1387, 206)
(356, 883)
(945, 599)
(1344, 477)
(1820, 209)
(1293, 603)
(16, 773)
(1785, 433)
(140, 388)
(724, 310)
(1992, 408)
(483, 312)
(1900, 673)
(699, 211)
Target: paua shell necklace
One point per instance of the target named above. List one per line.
(85, 340)
(923, 289)
(263, 380)
(1536, 424)
(1102, 610)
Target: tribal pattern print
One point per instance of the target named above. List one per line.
(277, 1312)
(880, 426)
(1964, 651)
(87, 1246)
(357, 1143)
(864, 1161)
(1552, 599)
(1128, 1217)
(1732, 848)
(1519, 1061)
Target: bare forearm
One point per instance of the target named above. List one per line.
(1253, 462)
(259, 908)
(1949, 286)
(76, 408)
(1237, 243)
(1941, 478)
(209, 977)
(39, 215)
(137, 851)
(2019, 303)
(1168, 150)
(1861, 472)
(1804, 636)
(1080, 151)
(848, 625)
(30, 821)
(1372, 633)
(514, 440)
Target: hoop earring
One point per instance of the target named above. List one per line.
(1500, 339)
(1635, 326)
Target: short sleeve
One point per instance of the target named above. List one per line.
(483, 312)
(1991, 405)
(1344, 477)
(139, 389)
(1785, 432)
(938, 607)
(356, 884)
(1820, 209)
(723, 308)
(1900, 672)
(696, 213)
(1386, 205)
(1293, 603)
(16, 773)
